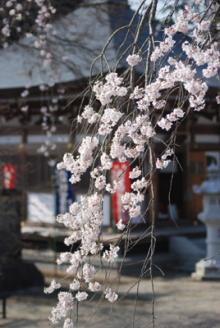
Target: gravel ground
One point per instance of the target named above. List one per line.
(180, 302)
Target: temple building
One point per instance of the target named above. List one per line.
(38, 107)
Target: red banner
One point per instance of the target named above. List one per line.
(120, 174)
(9, 176)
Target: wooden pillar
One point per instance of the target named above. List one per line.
(23, 172)
(4, 309)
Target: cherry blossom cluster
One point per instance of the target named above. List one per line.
(79, 165)
(167, 122)
(29, 21)
(163, 48)
(84, 220)
(17, 12)
(164, 161)
(127, 117)
(111, 87)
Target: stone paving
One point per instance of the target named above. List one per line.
(180, 303)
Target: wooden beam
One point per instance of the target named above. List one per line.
(205, 129)
(18, 130)
(205, 147)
